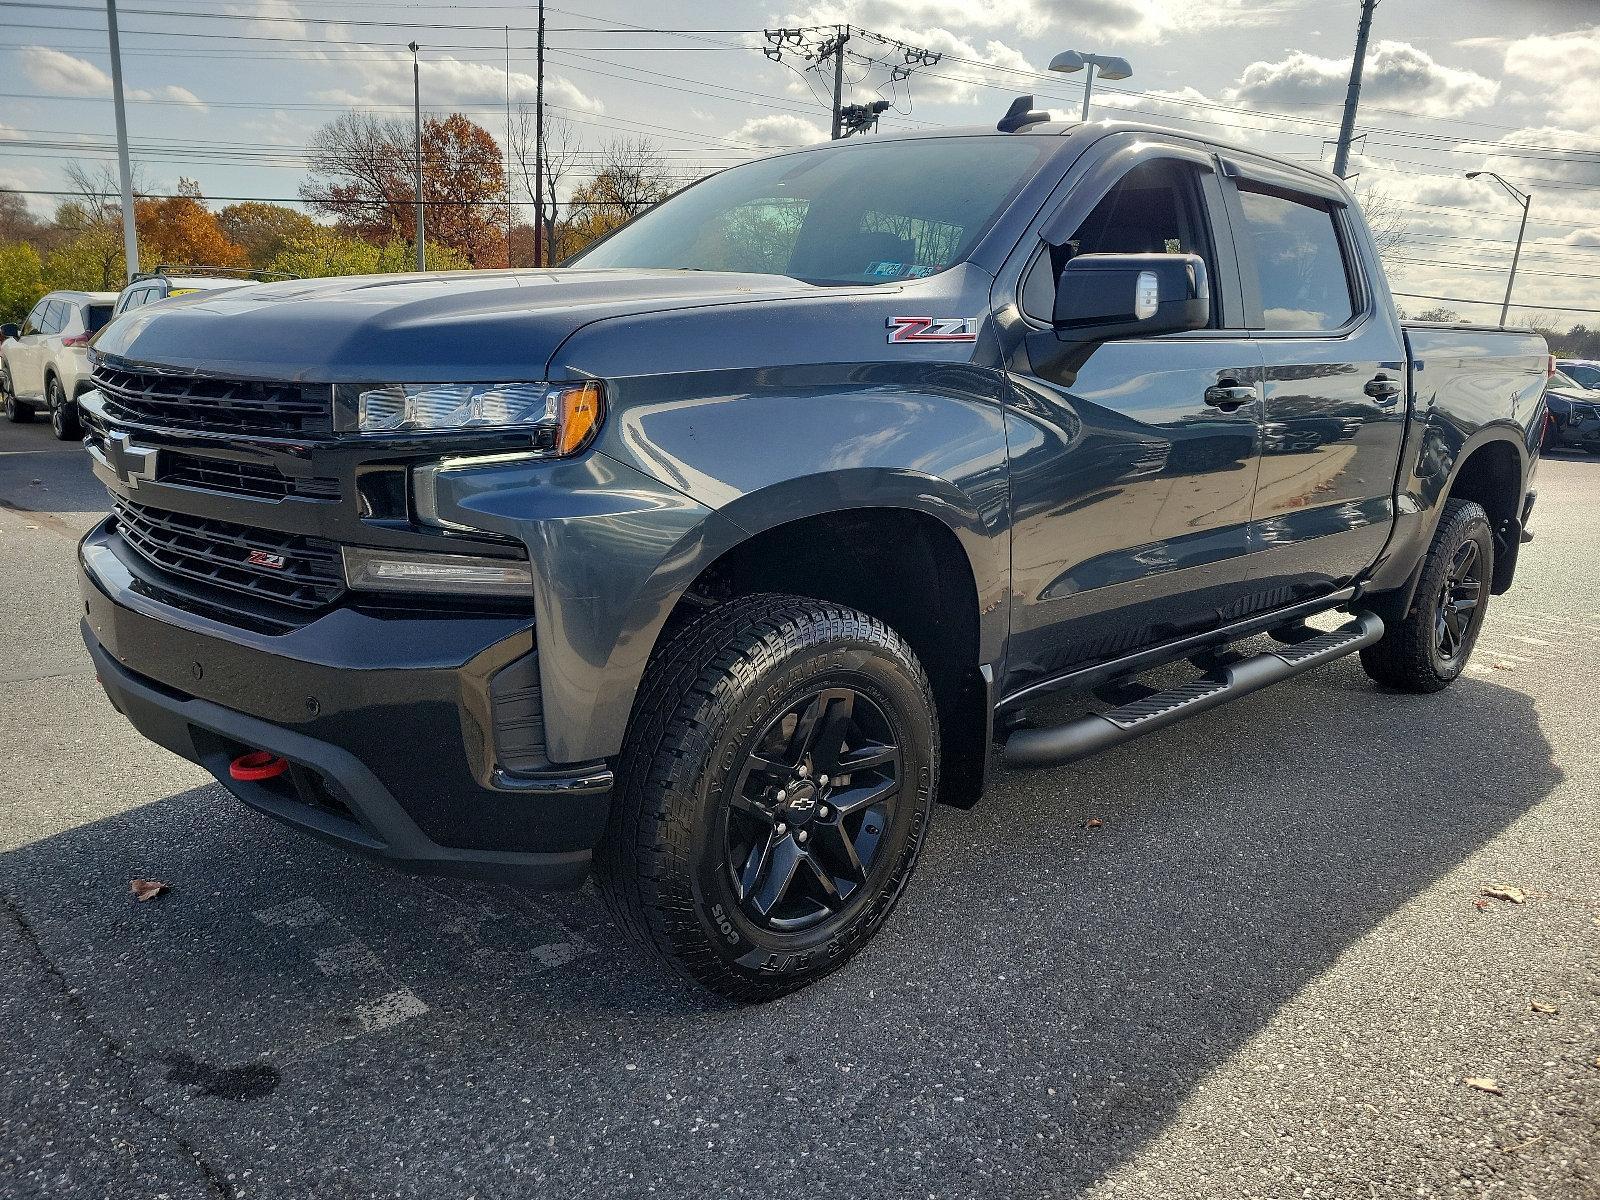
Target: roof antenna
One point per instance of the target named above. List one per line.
(1020, 115)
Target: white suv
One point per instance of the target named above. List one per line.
(45, 364)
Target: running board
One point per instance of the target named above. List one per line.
(1057, 744)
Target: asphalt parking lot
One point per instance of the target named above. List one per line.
(1267, 971)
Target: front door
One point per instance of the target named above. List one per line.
(27, 356)
(1132, 477)
(1335, 390)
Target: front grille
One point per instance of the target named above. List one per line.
(241, 478)
(207, 405)
(302, 572)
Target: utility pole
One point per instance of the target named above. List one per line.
(538, 146)
(416, 112)
(1522, 198)
(130, 231)
(1352, 97)
(510, 208)
(839, 39)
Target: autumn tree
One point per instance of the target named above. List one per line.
(21, 280)
(262, 230)
(363, 176)
(631, 175)
(321, 251)
(181, 229)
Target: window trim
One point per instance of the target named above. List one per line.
(1089, 180)
(1305, 192)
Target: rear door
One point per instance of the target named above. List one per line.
(1131, 487)
(1335, 405)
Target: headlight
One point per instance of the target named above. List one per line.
(562, 417)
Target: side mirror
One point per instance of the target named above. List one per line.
(10, 330)
(1106, 297)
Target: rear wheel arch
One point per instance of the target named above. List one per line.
(1491, 475)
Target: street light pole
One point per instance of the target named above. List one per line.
(416, 112)
(1524, 199)
(1105, 66)
(130, 231)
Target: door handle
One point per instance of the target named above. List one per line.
(1382, 389)
(1229, 396)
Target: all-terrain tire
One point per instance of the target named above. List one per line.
(1417, 655)
(715, 694)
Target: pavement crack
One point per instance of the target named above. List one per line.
(216, 1181)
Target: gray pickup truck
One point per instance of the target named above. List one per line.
(713, 561)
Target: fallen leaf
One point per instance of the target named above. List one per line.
(1484, 1084)
(1502, 666)
(1481, 905)
(1093, 823)
(1541, 1007)
(1515, 895)
(146, 889)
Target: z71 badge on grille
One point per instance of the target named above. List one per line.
(933, 329)
(260, 558)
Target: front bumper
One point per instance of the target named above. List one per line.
(384, 718)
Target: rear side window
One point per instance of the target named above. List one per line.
(1300, 262)
(99, 314)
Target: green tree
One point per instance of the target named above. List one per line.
(321, 251)
(21, 280)
(91, 260)
(263, 229)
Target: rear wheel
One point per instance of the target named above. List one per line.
(16, 411)
(63, 413)
(1430, 647)
(774, 793)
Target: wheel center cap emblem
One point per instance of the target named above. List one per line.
(802, 801)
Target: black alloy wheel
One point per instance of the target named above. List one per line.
(1459, 596)
(808, 811)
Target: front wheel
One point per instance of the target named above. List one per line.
(1430, 647)
(775, 789)
(17, 412)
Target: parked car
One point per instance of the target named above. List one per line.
(45, 363)
(715, 560)
(167, 281)
(1574, 413)
(1581, 371)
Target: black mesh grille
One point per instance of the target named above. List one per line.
(215, 405)
(299, 571)
(241, 478)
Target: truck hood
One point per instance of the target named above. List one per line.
(422, 328)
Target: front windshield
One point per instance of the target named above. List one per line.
(873, 212)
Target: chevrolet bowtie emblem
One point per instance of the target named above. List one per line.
(130, 463)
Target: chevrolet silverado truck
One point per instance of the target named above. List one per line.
(712, 561)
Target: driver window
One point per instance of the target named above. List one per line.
(1153, 209)
(35, 318)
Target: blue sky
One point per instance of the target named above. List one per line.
(228, 93)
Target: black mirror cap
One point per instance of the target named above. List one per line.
(1097, 296)
(10, 330)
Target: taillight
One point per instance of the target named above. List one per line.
(1550, 365)
(77, 339)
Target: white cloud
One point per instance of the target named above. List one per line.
(448, 80)
(63, 74)
(1123, 20)
(1396, 75)
(1584, 239)
(779, 130)
(1580, 165)
(1566, 68)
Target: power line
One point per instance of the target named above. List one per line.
(1495, 303)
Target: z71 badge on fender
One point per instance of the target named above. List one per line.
(933, 329)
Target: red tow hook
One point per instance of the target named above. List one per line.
(257, 765)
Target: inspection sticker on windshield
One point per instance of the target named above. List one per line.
(933, 329)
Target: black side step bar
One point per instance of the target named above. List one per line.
(1090, 734)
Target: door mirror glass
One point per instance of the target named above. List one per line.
(10, 330)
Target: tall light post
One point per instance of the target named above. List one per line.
(416, 112)
(130, 232)
(1108, 67)
(1522, 198)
